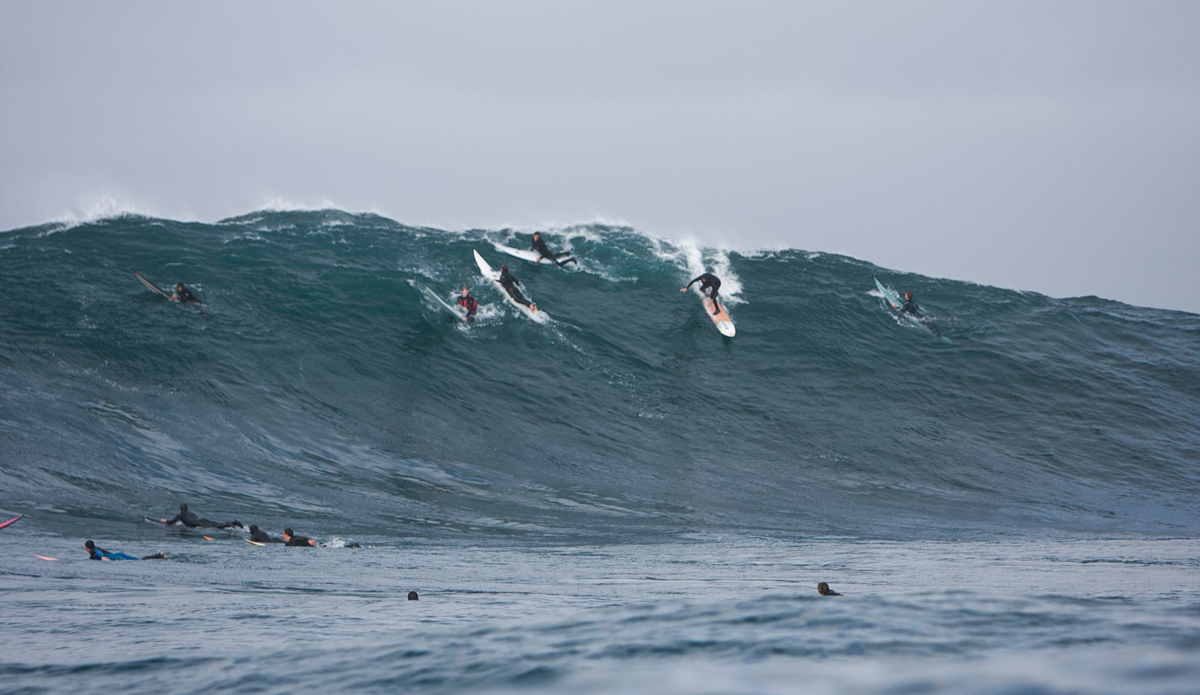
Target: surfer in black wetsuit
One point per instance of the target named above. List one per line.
(539, 245)
(190, 520)
(295, 541)
(709, 282)
(183, 295)
(468, 302)
(259, 536)
(95, 553)
(910, 307)
(824, 590)
(510, 285)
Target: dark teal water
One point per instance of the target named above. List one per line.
(511, 468)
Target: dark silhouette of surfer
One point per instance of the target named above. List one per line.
(295, 541)
(183, 295)
(509, 283)
(712, 284)
(910, 306)
(190, 520)
(544, 251)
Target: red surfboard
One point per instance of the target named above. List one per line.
(12, 520)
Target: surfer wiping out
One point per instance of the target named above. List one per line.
(190, 520)
(510, 283)
(709, 282)
(468, 302)
(543, 251)
(259, 536)
(95, 553)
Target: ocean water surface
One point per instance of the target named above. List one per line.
(617, 500)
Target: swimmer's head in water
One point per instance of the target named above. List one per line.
(824, 590)
(412, 596)
(90, 545)
(183, 507)
(908, 294)
(287, 532)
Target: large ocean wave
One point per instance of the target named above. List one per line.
(318, 385)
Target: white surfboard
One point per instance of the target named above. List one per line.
(494, 276)
(458, 311)
(523, 254)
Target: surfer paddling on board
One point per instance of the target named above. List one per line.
(468, 302)
(183, 295)
(190, 520)
(910, 307)
(543, 251)
(510, 283)
(709, 282)
(295, 541)
(259, 536)
(95, 553)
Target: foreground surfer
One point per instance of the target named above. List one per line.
(190, 520)
(709, 282)
(259, 536)
(95, 553)
(468, 302)
(510, 283)
(910, 306)
(543, 251)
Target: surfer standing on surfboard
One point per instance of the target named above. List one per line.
(510, 283)
(709, 282)
(543, 251)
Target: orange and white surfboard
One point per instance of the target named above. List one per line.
(720, 319)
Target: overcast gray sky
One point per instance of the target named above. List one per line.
(1047, 146)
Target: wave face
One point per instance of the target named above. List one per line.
(319, 388)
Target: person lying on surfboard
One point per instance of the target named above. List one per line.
(510, 285)
(543, 251)
(262, 536)
(468, 302)
(709, 282)
(910, 307)
(95, 553)
(190, 520)
(297, 541)
(183, 295)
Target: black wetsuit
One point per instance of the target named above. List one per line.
(298, 541)
(539, 245)
(910, 307)
(259, 536)
(184, 295)
(712, 283)
(190, 520)
(468, 302)
(510, 285)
